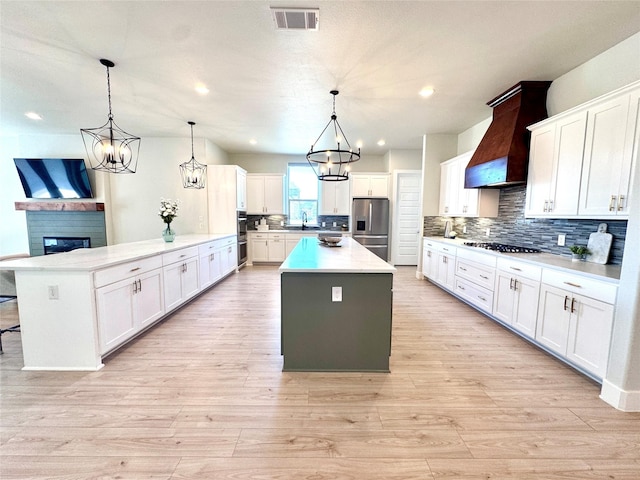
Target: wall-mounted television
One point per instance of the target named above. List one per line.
(54, 177)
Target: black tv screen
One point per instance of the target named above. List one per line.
(54, 177)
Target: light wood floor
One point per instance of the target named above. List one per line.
(202, 396)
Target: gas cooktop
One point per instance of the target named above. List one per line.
(501, 247)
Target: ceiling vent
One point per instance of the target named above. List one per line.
(296, 18)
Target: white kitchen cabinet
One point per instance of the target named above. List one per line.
(210, 268)
(457, 201)
(241, 189)
(265, 194)
(227, 251)
(268, 247)
(429, 260)
(126, 306)
(576, 325)
(180, 274)
(446, 267)
(335, 198)
(517, 290)
(475, 278)
(607, 160)
(226, 195)
(555, 166)
(370, 185)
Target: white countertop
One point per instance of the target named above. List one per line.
(601, 272)
(88, 259)
(350, 257)
(305, 232)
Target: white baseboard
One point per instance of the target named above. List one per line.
(620, 399)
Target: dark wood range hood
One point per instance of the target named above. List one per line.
(503, 154)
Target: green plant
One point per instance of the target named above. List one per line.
(579, 250)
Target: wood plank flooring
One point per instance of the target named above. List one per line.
(202, 396)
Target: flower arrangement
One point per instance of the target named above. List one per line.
(168, 211)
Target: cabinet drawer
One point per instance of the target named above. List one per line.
(479, 257)
(526, 270)
(206, 248)
(475, 294)
(603, 291)
(179, 255)
(225, 242)
(276, 236)
(479, 274)
(442, 247)
(125, 270)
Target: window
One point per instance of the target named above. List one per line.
(302, 193)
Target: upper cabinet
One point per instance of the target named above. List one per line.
(335, 198)
(457, 201)
(609, 157)
(241, 189)
(581, 161)
(370, 185)
(555, 164)
(265, 194)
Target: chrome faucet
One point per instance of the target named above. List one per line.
(304, 220)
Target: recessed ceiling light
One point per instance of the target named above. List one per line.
(253, 141)
(426, 92)
(33, 116)
(381, 142)
(201, 88)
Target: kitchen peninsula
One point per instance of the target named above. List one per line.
(77, 307)
(336, 308)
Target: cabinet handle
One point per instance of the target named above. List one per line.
(444, 259)
(139, 285)
(135, 287)
(573, 284)
(135, 269)
(564, 305)
(515, 284)
(516, 269)
(463, 269)
(445, 249)
(546, 206)
(612, 203)
(620, 202)
(183, 255)
(460, 287)
(485, 277)
(511, 284)
(446, 209)
(573, 301)
(428, 254)
(550, 206)
(482, 298)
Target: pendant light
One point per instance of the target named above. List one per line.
(109, 148)
(193, 173)
(329, 159)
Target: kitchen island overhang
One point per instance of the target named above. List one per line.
(336, 308)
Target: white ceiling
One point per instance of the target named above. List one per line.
(274, 85)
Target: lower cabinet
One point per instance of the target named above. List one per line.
(429, 261)
(446, 270)
(517, 291)
(576, 325)
(439, 263)
(127, 306)
(181, 280)
(210, 268)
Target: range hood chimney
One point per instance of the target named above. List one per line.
(503, 154)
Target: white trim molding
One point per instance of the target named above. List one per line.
(620, 399)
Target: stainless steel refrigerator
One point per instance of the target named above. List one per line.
(370, 224)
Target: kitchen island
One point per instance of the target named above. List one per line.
(79, 306)
(336, 308)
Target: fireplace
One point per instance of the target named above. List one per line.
(64, 244)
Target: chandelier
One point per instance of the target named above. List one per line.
(193, 173)
(329, 160)
(109, 148)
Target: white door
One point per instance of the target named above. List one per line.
(405, 243)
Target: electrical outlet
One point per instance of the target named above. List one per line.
(464, 229)
(53, 292)
(336, 294)
(324, 224)
(335, 224)
(488, 232)
(561, 239)
(282, 223)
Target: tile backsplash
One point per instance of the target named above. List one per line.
(274, 221)
(512, 228)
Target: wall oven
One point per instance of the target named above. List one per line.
(242, 238)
